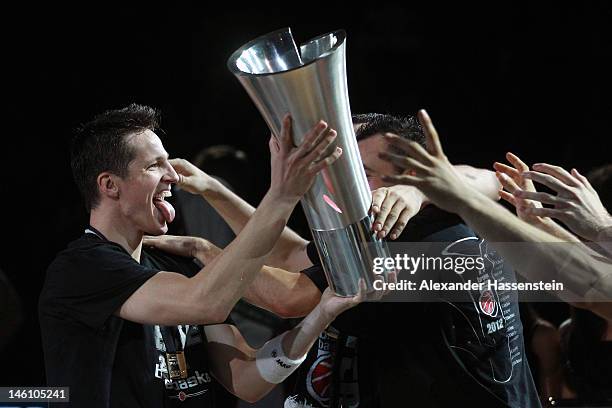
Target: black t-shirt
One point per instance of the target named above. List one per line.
(105, 360)
(431, 354)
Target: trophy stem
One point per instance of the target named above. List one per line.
(347, 254)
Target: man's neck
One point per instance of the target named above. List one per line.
(129, 238)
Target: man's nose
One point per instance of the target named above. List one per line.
(171, 176)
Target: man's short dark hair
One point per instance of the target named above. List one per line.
(407, 127)
(100, 145)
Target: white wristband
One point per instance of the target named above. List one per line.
(272, 363)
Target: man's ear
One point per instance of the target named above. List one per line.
(107, 185)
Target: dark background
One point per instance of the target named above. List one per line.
(530, 78)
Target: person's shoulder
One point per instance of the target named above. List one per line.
(88, 243)
(87, 248)
(83, 263)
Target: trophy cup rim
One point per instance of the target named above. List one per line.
(231, 61)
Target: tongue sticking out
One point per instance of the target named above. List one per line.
(166, 209)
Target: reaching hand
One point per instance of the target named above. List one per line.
(432, 173)
(512, 180)
(194, 247)
(332, 305)
(576, 204)
(295, 168)
(393, 207)
(191, 178)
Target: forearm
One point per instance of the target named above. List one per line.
(287, 294)
(225, 280)
(551, 227)
(289, 250)
(241, 375)
(604, 238)
(234, 210)
(547, 258)
(296, 343)
(483, 181)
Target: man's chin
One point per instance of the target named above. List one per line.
(158, 230)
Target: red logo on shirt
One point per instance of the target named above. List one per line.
(318, 380)
(487, 303)
(182, 396)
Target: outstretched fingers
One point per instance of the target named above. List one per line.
(403, 162)
(582, 179)
(545, 212)
(507, 182)
(313, 138)
(557, 172)
(503, 169)
(536, 196)
(517, 162)
(317, 166)
(508, 197)
(273, 144)
(403, 179)
(547, 180)
(320, 150)
(411, 148)
(431, 135)
(284, 141)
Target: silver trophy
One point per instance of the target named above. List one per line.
(310, 84)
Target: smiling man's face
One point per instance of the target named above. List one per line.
(143, 191)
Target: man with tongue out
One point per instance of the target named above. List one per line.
(124, 325)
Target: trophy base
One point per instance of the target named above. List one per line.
(347, 255)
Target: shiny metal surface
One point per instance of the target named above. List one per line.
(310, 83)
(347, 254)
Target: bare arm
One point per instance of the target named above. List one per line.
(481, 180)
(208, 297)
(586, 275)
(290, 250)
(233, 360)
(287, 294)
(394, 206)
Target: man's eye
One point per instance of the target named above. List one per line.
(152, 166)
